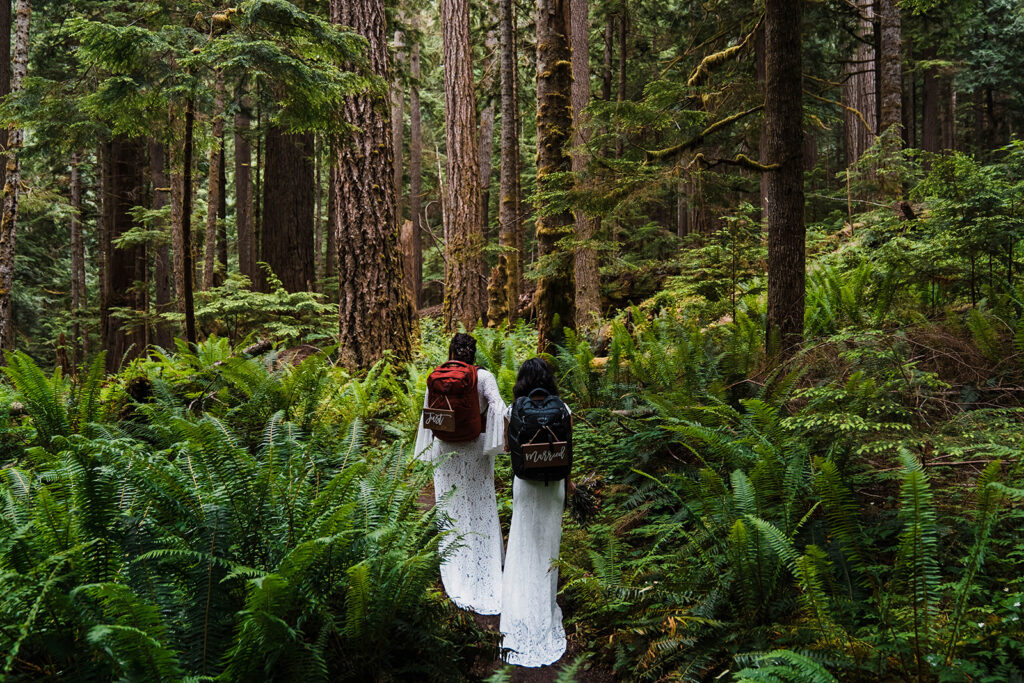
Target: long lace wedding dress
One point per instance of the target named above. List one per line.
(464, 490)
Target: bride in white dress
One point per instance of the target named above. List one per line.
(531, 620)
(464, 490)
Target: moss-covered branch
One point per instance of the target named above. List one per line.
(656, 154)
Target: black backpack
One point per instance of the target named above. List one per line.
(540, 437)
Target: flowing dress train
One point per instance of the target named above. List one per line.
(531, 620)
(464, 490)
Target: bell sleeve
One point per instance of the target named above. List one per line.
(494, 435)
(425, 449)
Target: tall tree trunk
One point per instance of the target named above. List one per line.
(12, 183)
(125, 190)
(978, 137)
(553, 298)
(503, 290)
(415, 278)
(890, 86)
(860, 120)
(784, 145)
(374, 311)
(587, 295)
(331, 265)
(890, 66)
(78, 292)
(222, 217)
(397, 125)
(463, 234)
(947, 104)
(287, 241)
(759, 71)
(318, 224)
(487, 125)
(213, 184)
(181, 227)
(186, 226)
(244, 218)
(931, 133)
(486, 149)
(609, 47)
(909, 104)
(486, 167)
(161, 258)
(621, 96)
(5, 78)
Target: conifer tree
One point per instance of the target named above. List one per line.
(553, 297)
(463, 233)
(415, 259)
(12, 181)
(374, 311)
(587, 295)
(503, 288)
(785, 183)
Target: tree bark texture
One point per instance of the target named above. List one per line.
(415, 278)
(553, 297)
(931, 133)
(785, 201)
(163, 336)
(503, 288)
(909, 104)
(213, 185)
(397, 126)
(947, 107)
(181, 218)
(463, 233)
(244, 218)
(78, 291)
(859, 95)
(374, 310)
(609, 47)
(5, 77)
(487, 125)
(125, 188)
(12, 183)
(623, 20)
(318, 223)
(331, 252)
(890, 66)
(222, 218)
(286, 244)
(588, 293)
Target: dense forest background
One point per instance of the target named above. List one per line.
(773, 250)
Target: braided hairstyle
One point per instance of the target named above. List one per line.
(463, 348)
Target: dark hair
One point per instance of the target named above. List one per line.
(533, 374)
(462, 347)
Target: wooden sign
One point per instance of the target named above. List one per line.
(439, 419)
(546, 454)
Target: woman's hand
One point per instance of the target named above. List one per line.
(570, 488)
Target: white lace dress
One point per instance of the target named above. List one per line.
(531, 620)
(465, 473)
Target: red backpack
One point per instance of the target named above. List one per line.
(453, 407)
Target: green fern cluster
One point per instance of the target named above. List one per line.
(235, 524)
(738, 524)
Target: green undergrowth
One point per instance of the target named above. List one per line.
(852, 514)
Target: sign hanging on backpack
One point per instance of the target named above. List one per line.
(441, 419)
(546, 454)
